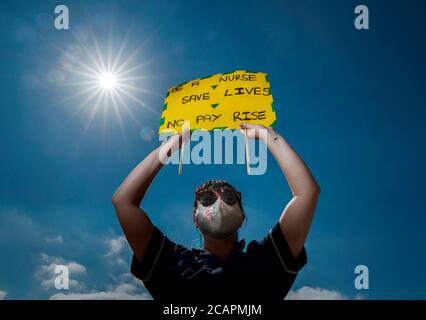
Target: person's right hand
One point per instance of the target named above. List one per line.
(173, 143)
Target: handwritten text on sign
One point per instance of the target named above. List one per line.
(221, 101)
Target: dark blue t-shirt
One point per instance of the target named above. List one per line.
(265, 271)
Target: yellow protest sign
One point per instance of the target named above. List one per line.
(220, 101)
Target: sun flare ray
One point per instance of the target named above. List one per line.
(105, 78)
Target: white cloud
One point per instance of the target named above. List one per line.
(46, 272)
(57, 239)
(116, 245)
(123, 286)
(116, 248)
(125, 291)
(110, 258)
(309, 293)
(51, 262)
(48, 284)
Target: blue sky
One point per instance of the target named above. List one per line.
(350, 102)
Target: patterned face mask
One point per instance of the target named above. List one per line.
(220, 220)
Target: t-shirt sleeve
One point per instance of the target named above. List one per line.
(160, 268)
(275, 268)
(274, 254)
(276, 240)
(151, 261)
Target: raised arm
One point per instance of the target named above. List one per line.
(297, 216)
(136, 225)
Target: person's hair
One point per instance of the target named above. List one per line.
(215, 184)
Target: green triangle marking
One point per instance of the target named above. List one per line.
(273, 123)
(272, 106)
(206, 77)
(219, 128)
(182, 84)
(229, 72)
(168, 92)
(162, 121)
(248, 71)
(266, 78)
(215, 105)
(165, 106)
(214, 86)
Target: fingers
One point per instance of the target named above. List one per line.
(186, 134)
(245, 125)
(248, 132)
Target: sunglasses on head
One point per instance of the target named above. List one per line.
(208, 197)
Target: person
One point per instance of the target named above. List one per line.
(223, 269)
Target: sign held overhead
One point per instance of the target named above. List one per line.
(220, 101)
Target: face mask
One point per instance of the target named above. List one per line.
(220, 220)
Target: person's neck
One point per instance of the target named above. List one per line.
(221, 248)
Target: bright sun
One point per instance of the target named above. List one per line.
(107, 80)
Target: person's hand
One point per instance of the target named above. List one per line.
(173, 143)
(256, 131)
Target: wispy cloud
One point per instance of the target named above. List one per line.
(2, 295)
(18, 226)
(309, 293)
(57, 240)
